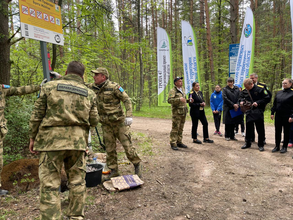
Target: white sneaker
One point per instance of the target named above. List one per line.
(243, 134)
(227, 139)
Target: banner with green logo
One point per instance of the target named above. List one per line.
(164, 53)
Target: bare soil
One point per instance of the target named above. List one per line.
(205, 181)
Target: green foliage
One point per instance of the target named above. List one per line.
(17, 113)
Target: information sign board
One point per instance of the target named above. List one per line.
(41, 20)
(233, 53)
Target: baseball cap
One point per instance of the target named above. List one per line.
(177, 78)
(102, 70)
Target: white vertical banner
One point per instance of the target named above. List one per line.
(190, 56)
(291, 10)
(164, 60)
(245, 58)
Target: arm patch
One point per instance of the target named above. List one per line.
(121, 89)
(72, 89)
(5, 86)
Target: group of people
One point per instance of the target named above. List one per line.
(59, 128)
(234, 103)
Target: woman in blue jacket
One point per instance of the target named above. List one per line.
(216, 103)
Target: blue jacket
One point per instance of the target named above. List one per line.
(216, 101)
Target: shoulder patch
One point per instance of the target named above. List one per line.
(72, 89)
(121, 89)
(265, 92)
(5, 86)
(191, 92)
(260, 86)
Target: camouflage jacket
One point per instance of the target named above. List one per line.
(63, 115)
(178, 107)
(6, 90)
(109, 97)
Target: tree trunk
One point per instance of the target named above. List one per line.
(210, 47)
(234, 6)
(219, 39)
(203, 43)
(191, 13)
(138, 106)
(4, 43)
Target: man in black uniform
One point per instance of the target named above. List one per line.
(259, 98)
(254, 78)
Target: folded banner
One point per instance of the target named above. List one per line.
(164, 59)
(190, 56)
(123, 182)
(245, 58)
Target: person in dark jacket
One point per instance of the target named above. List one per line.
(216, 103)
(282, 112)
(258, 97)
(242, 118)
(197, 113)
(230, 97)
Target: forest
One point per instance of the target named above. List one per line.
(121, 36)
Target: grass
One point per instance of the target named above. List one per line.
(165, 113)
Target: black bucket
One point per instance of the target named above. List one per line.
(94, 178)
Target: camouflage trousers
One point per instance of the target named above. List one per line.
(119, 131)
(177, 128)
(50, 165)
(1, 158)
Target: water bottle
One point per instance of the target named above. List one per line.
(95, 161)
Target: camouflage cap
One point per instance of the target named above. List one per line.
(102, 70)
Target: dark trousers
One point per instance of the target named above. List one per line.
(204, 122)
(229, 131)
(282, 122)
(260, 128)
(237, 127)
(217, 120)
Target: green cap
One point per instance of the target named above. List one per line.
(102, 70)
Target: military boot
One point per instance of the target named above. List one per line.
(138, 169)
(113, 173)
(3, 192)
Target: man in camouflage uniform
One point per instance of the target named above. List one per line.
(6, 90)
(59, 129)
(177, 99)
(114, 123)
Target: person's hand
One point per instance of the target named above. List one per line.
(31, 146)
(215, 112)
(272, 117)
(255, 104)
(191, 100)
(290, 120)
(55, 75)
(128, 121)
(241, 103)
(182, 99)
(235, 107)
(43, 82)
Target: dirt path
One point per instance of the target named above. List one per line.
(209, 181)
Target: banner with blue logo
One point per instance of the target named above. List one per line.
(164, 66)
(245, 58)
(190, 56)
